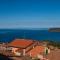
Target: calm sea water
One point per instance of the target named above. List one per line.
(7, 35)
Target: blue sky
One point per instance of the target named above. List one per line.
(29, 13)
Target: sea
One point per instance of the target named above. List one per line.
(7, 35)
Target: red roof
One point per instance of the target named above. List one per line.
(22, 43)
(35, 51)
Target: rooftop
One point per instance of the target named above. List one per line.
(21, 43)
(36, 51)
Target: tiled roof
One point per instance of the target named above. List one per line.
(35, 51)
(22, 43)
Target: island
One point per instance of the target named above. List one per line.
(54, 30)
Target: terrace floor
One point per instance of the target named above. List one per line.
(54, 55)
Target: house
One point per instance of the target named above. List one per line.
(37, 51)
(21, 46)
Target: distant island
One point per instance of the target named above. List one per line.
(54, 30)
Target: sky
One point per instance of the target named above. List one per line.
(29, 13)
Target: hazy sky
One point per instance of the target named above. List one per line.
(29, 13)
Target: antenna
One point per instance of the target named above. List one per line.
(24, 35)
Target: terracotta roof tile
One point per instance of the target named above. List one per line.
(36, 51)
(22, 43)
